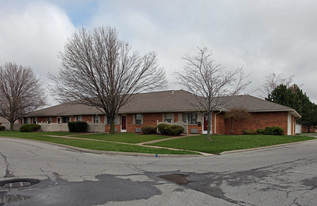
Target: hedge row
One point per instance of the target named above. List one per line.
(30, 128)
(266, 131)
(167, 129)
(79, 126)
(148, 129)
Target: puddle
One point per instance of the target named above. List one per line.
(16, 183)
(108, 188)
(179, 179)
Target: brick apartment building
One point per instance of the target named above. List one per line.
(175, 107)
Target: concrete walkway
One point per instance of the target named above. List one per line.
(137, 144)
(159, 140)
(309, 134)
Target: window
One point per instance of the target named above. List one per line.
(168, 117)
(96, 119)
(49, 120)
(190, 117)
(138, 119)
(35, 120)
(65, 119)
(79, 118)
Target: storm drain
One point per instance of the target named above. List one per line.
(179, 179)
(17, 183)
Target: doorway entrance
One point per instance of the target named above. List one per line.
(123, 123)
(205, 125)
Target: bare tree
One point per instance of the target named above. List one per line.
(100, 70)
(273, 80)
(20, 92)
(210, 81)
(236, 114)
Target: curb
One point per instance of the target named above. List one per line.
(159, 155)
(266, 147)
(108, 152)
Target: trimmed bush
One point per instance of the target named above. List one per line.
(167, 129)
(162, 128)
(273, 131)
(176, 130)
(148, 129)
(2, 128)
(30, 128)
(249, 132)
(79, 126)
(260, 131)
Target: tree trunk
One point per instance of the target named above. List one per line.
(112, 125)
(11, 125)
(209, 126)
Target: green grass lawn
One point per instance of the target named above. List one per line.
(223, 143)
(94, 145)
(122, 137)
(59, 133)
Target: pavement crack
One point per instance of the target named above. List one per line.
(296, 203)
(7, 173)
(135, 168)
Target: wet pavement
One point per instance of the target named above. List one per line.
(271, 176)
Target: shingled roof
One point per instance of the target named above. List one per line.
(167, 101)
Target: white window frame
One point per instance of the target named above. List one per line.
(65, 117)
(95, 119)
(138, 117)
(167, 119)
(186, 116)
(79, 118)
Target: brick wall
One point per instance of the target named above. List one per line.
(258, 121)
(148, 119)
(41, 119)
(220, 124)
(195, 126)
(102, 118)
(87, 118)
(107, 128)
(311, 130)
(175, 117)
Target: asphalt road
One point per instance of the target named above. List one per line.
(283, 175)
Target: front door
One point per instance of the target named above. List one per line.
(205, 126)
(205, 122)
(123, 123)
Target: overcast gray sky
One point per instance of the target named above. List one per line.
(260, 36)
